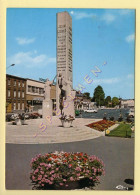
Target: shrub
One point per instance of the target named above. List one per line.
(60, 168)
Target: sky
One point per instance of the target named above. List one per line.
(103, 38)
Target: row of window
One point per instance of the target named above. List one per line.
(15, 83)
(20, 93)
(17, 106)
(34, 89)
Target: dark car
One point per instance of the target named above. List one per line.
(8, 117)
(35, 116)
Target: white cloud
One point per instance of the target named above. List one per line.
(29, 59)
(72, 12)
(106, 81)
(130, 38)
(125, 11)
(108, 18)
(24, 41)
(130, 76)
(81, 15)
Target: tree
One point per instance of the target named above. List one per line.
(115, 101)
(99, 96)
(107, 100)
(87, 95)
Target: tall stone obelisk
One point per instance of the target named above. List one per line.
(64, 62)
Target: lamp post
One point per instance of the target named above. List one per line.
(99, 100)
(10, 66)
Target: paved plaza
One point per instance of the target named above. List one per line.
(32, 133)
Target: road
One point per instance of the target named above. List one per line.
(109, 113)
(117, 154)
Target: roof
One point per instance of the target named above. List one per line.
(35, 80)
(8, 75)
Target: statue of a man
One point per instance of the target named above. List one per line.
(47, 89)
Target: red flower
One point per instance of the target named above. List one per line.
(81, 154)
(70, 165)
(49, 159)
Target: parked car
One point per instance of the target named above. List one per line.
(27, 116)
(35, 116)
(91, 110)
(14, 116)
(8, 117)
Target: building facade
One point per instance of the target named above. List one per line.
(127, 103)
(81, 102)
(15, 94)
(35, 95)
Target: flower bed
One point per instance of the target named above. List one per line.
(101, 125)
(59, 169)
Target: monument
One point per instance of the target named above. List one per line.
(47, 102)
(64, 64)
(64, 78)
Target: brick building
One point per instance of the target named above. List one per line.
(15, 93)
(26, 94)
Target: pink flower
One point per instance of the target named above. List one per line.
(39, 177)
(66, 185)
(90, 178)
(42, 172)
(33, 177)
(42, 184)
(36, 171)
(50, 182)
(57, 169)
(61, 184)
(64, 180)
(49, 165)
(71, 179)
(78, 174)
(78, 169)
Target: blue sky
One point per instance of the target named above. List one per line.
(99, 36)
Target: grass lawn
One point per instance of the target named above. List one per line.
(123, 130)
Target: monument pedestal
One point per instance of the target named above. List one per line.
(69, 105)
(47, 108)
(69, 108)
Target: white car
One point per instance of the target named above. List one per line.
(91, 110)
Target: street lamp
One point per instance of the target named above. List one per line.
(99, 100)
(10, 66)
